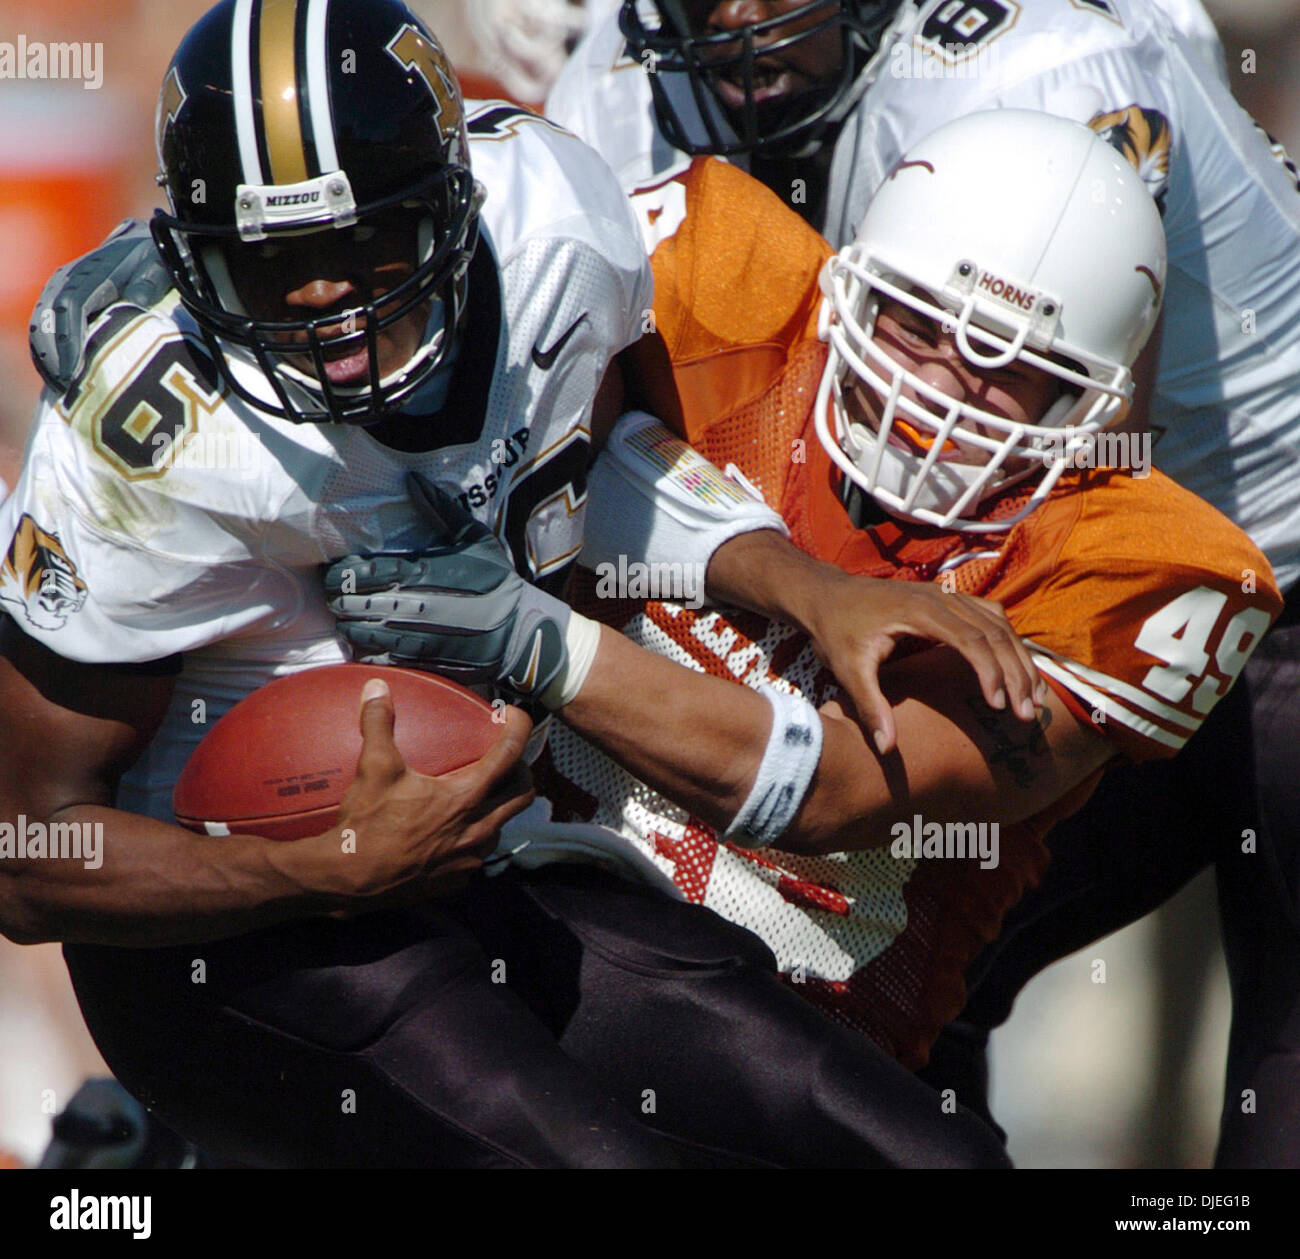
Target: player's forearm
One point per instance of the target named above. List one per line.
(696, 739)
(957, 761)
(767, 573)
(700, 741)
(140, 882)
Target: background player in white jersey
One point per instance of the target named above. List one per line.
(511, 48)
(503, 49)
(820, 100)
(372, 285)
(824, 49)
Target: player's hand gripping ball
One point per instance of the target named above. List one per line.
(280, 761)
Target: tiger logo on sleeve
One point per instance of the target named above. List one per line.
(39, 577)
(1145, 138)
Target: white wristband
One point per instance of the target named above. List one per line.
(581, 638)
(794, 747)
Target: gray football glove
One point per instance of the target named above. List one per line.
(125, 268)
(456, 606)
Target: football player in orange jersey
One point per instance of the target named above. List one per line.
(929, 405)
(822, 126)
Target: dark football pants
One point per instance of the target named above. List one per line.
(1146, 831)
(630, 1030)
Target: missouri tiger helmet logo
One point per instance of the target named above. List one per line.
(38, 577)
(1144, 138)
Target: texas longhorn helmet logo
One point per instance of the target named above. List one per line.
(38, 577)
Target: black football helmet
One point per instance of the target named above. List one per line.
(681, 48)
(317, 140)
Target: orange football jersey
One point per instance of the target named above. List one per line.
(1141, 602)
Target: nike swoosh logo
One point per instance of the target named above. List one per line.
(528, 679)
(545, 359)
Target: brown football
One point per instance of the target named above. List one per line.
(278, 763)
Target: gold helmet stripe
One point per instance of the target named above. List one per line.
(279, 83)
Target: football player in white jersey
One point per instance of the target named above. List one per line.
(820, 100)
(372, 283)
(512, 48)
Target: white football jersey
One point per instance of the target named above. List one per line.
(157, 514)
(1195, 25)
(1150, 79)
(603, 95)
(520, 45)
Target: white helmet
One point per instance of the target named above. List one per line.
(1024, 236)
(525, 43)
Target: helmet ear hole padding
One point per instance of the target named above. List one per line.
(1056, 416)
(424, 239)
(1056, 279)
(219, 278)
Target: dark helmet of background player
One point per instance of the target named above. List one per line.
(717, 83)
(317, 130)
